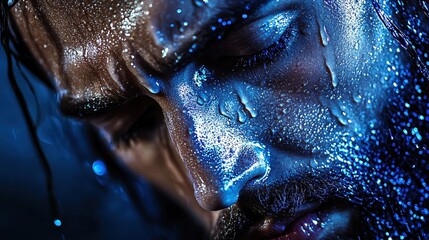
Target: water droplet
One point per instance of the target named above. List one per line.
(330, 68)
(246, 104)
(224, 111)
(241, 116)
(200, 101)
(324, 37)
(357, 98)
(153, 86)
(202, 98)
(200, 3)
(339, 114)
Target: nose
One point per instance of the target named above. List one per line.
(223, 156)
(218, 181)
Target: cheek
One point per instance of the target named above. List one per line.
(294, 121)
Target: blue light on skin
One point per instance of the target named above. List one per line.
(57, 223)
(99, 168)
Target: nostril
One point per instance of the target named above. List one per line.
(247, 165)
(254, 158)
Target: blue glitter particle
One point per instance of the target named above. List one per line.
(57, 222)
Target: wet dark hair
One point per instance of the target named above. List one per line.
(10, 46)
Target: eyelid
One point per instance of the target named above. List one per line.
(256, 36)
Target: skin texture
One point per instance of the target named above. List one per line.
(172, 86)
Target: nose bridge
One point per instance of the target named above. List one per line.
(220, 156)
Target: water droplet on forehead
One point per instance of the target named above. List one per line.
(202, 98)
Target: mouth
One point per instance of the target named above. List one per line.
(310, 221)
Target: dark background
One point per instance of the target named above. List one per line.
(92, 203)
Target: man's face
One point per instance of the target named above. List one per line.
(265, 107)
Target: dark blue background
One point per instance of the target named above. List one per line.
(90, 206)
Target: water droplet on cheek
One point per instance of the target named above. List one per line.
(329, 58)
(248, 108)
(331, 72)
(324, 37)
(339, 114)
(357, 98)
(200, 3)
(224, 111)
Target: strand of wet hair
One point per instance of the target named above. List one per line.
(4, 31)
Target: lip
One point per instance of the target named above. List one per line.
(310, 221)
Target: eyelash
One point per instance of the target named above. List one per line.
(146, 126)
(264, 57)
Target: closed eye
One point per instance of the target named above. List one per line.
(259, 42)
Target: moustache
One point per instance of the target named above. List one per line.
(281, 199)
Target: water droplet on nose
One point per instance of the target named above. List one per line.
(202, 98)
(153, 86)
(241, 116)
(200, 3)
(223, 110)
